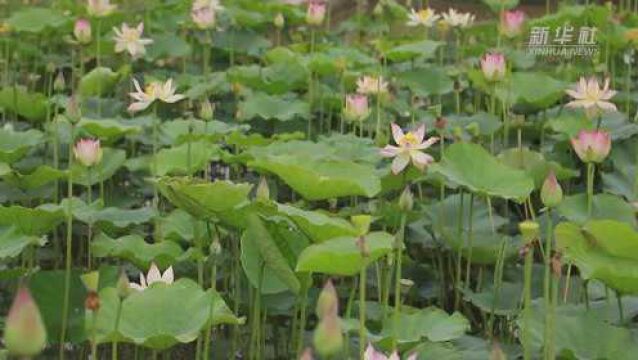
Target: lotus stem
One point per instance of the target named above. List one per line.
(302, 316)
(590, 187)
(117, 325)
(459, 256)
(527, 303)
(94, 334)
(549, 313)
(69, 238)
(470, 245)
(397, 282)
(621, 316)
(362, 312)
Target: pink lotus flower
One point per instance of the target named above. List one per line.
(551, 192)
(24, 333)
(372, 354)
(130, 39)
(100, 8)
(204, 13)
(592, 146)
(588, 95)
(512, 23)
(88, 152)
(154, 276)
(82, 31)
(316, 12)
(357, 108)
(493, 66)
(408, 149)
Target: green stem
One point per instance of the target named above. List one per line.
(89, 234)
(117, 325)
(397, 280)
(590, 187)
(549, 315)
(362, 312)
(527, 304)
(302, 316)
(94, 334)
(470, 245)
(459, 255)
(621, 316)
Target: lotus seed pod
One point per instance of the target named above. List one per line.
(530, 230)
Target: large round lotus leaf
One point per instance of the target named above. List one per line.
(276, 79)
(175, 160)
(41, 176)
(485, 245)
(98, 82)
(534, 89)
(112, 160)
(95, 213)
(593, 260)
(181, 226)
(604, 206)
(315, 170)
(622, 180)
(505, 303)
(535, 165)
(108, 129)
(431, 323)
(317, 225)
(13, 242)
(32, 106)
(614, 238)
(178, 131)
(472, 167)
(283, 108)
(425, 48)
(133, 248)
(36, 19)
(342, 256)
(486, 124)
(204, 200)
(31, 221)
(426, 82)
(169, 46)
(15, 144)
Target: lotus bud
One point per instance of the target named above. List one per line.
(263, 191)
(512, 23)
(206, 110)
(474, 129)
(73, 112)
(236, 88)
(493, 66)
(59, 84)
(316, 12)
(88, 152)
(279, 21)
(82, 31)
(122, 286)
(215, 247)
(551, 192)
(92, 301)
(362, 223)
(592, 146)
(530, 231)
(328, 301)
(328, 338)
(356, 108)
(24, 332)
(306, 355)
(341, 64)
(91, 280)
(406, 285)
(406, 200)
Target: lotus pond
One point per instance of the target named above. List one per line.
(318, 179)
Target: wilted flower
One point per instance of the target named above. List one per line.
(457, 19)
(130, 39)
(551, 192)
(592, 146)
(154, 276)
(493, 66)
(512, 23)
(204, 13)
(408, 149)
(371, 85)
(88, 152)
(372, 354)
(24, 332)
(100, 8)
(588, 95)
(82, 31)
(316, 12)
(356, 107)
(424, 17)
(153, 91)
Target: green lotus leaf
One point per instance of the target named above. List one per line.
(135, 249)
(535, 165)
(181, 226)
(472, 167)
(317, 225)
(31, 221)
(260, 105)
(30, 105)
(622, 181)
(112, 160)
(12, 242)
(506, 303)
(175, 160)
(277, 79)
(36, 19)
(41, 176)
(108, 129)
(15, 144)
(500, 5)
(169, 46)
(179, 131)
(431, 323)
(534, 89)
(404, 52)
(427, 81)
(342, 256)
(604, 206)
(485, 123)
(613, 237)
(99, 81)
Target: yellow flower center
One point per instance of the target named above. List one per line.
(409, 139)
(424, 14)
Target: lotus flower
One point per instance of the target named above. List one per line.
(88, 152)
(204, 13)
(153, 276)
(356, 107)
(130, 39)
(424, 17)
(153, 91)
(24, 333)
(100, 8)
(588, 95)
(592, 146)
(408, 149)
(512, 23)
(372, 354)
(493, 66)
(551, 192)
(370, 85)
(457, 19)
(316, 12)
(82, 31)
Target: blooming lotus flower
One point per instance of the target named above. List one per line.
(512, 23)
(408, 149)
(457, 19)
(356, 107)
(592, 146)
(493, 66)
(316, 12)
(424, 17)
(153, 276)
(588, 95)
(370, 85)
(153, 91)
(24, 332)
(130, 39)
(82, 31)
(88, 152)
(204, 13)
(372, 354)
(100, 8)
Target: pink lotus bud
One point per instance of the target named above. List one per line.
(316, 12)
(24, 333)
(203, 16)
(82, 31)
(551, 192)
(328, 301)
(512, 23)
(328, 336)
(493, 66)
(356, 107)
(592, 146)
(406, 200)
(88, 152)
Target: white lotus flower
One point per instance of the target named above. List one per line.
(587, 94)
(409, 149)
(100, 8)
(424, 17)
(154, 91)
(154, 276)
(130, 39)
(458, 19)
(370, 85)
